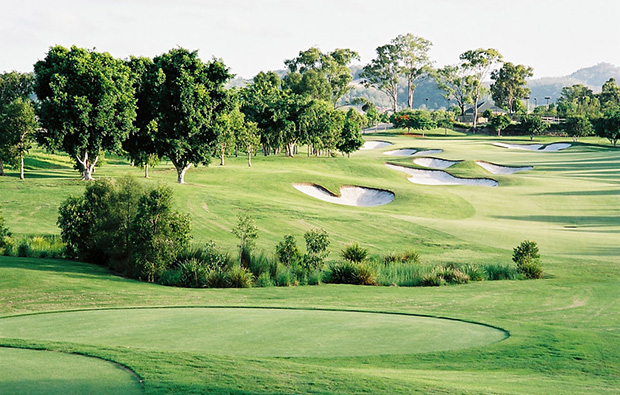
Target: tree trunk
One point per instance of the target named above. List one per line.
(181, 173)
(21, 166)
(1, 167)
(249, 157)
(146, 170)
(222, 154)
(475, 114)
(410, 95)
(87, 167)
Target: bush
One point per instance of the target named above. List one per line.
(475, 272)
(442, 275)
(401, 274)
(350, 273)
(287, 251)
(264, 280)
(24, 250)
(240, 277)
(170, 277)
(527, 258)
(494, 272)
(284, 277)
(365, 274)
(193, 274)
(409, 256)
(5, 235)
(261, 264)
(317, 242)
(354, 253)
(218, 279)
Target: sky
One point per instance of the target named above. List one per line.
(554, 37)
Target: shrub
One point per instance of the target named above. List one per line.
(240, 277)
(193, 273)
(365, 274)
(24, 250)
(317, 242)
(527, 258)
(341, 273)
(432, 279)
(475, 272)
(494, 272)
(247, 233)
(5, 235)
(354, 253)
(287, 251)
(171, 277)
(409, 256)
(442, 275)
(264, 280)
(261, 264)
(284, 277)
(315, 277)
(401, 274)
(218, 279)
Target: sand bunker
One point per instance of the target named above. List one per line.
(350, 195)
(556, 147)
(434, 163)
(499, 169)
(535, 147)
(429, 152)
(438, 177)
(373, 144)
(401, 152)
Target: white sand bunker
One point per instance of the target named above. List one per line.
(434, 163)
(438, 177)
(373, 144)
(350, 195)
(535, 147)
(499, 169)
(401, 152)
(429, 152)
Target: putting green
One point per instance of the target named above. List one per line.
(253, 331)
(45, 372)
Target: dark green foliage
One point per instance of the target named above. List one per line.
(608, 126)
(413, 119)
(86, 104)
(240, 277)
(494, 272)
(5, 235)
(527, 258)
(351, 135)
(287, 251)
(443, 275)
(499, 123)
(247, 233)
(264, 280)
(533, 125)
(354, 253)
(351, 273)
(577, 126)
(157, 234)
(317, 242)
(475, 272)
(409, 256)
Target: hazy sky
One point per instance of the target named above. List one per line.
(554, 37)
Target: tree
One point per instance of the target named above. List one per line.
(609, 97)
(351, 135)
(577, 100)
(324, 76)
(414, 60)
(287, 251)
(453, 80)
(140, 145)
(249, 137)
(13, 85)
(416, 119)
(478, 63)
(317, 242)
(247, 233)
(17, 127)
(4, 234)
(509, 85)
(499, 123)
(533, 125)
(527, 258)
(158, 233)
(188, 96)
(383, 72)
(577, 126)
(608, 127)
(87, 104)
(229, 125)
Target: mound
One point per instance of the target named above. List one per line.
(535, 147)
(401, 152)
(374, 144)
(434, 163)
(499, 169)
(350, 195)
(438, 177)
(253, 332)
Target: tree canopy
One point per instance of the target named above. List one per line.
(86, 104)
(509, 85)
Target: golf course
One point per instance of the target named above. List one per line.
(73, 327)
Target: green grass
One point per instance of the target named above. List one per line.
(564, 329)
(52, 373)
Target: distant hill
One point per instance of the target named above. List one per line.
(593, 77)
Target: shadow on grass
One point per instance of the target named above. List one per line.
(75, 268)
(579, 221)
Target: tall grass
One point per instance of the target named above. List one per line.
(35, 246)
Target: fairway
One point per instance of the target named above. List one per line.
(254, 332)
(51, 373)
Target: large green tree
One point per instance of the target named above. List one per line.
(414, 60)
(457, 86)
(608, 126)
(578, 100)
(188, 95)
(321, 75)
(609, 97)
(383, 72)
(351, 135)
(577, 126)
(478, 63)
(509, 85)
(13, 85)
(17, 127)
(86, 104)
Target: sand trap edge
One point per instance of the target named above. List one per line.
(338, 199)
(508, 169)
